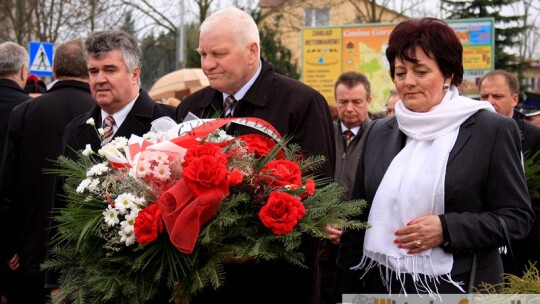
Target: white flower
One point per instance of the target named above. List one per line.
(98, 169)
(93, 187)
(111, 216)
(129, 222)
(124, 201)
(127, 237)
(160, 157)
(162, 172)
(101, 131)
(150, 136)
(88, 150)
(119, 142)
(90, 121)
(143, 167)
(83, 185)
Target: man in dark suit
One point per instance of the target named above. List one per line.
(114, 65)
(501, 89)
(13, 74)
(35, 137)
(241, 85)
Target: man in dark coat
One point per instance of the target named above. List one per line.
(13, 75)
(35, 137)
(502, 90)
(241, 85)
(114, 64)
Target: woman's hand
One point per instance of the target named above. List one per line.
(334, 234)
(420, 234)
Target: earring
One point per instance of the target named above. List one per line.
(446, 86)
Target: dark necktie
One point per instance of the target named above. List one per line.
(348, 136)
(108, 124)
(230, 101)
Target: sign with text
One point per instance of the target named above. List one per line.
(362, 48)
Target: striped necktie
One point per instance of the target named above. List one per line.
(230, 102)
(348, 136)
(108, 124)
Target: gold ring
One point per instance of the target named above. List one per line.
(418, 244)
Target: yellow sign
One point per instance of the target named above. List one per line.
(321, 59)
(327, 52)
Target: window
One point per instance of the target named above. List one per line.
(316, 17)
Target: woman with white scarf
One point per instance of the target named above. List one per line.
(438, 177)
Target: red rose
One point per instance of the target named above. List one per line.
(148, 224)
(206, 174)
(282, 172)
(310, 186)
(260, 145)
(235, 177)
(208, 149)
(282, 212)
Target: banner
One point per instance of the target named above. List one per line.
(329, 51)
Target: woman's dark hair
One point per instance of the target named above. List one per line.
(435, 38)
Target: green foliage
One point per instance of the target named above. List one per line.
(528, 283)
(94, 271)
(532, 173)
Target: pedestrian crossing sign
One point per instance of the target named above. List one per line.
(41, 58)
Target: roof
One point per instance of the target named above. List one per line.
(270, 3)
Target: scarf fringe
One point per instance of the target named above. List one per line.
(421, 281)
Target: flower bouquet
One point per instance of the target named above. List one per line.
(164, 212)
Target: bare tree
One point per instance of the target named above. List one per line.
(531, 38)
(54, 21)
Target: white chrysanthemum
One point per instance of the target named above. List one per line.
(87, 150)
(97, 170)
(123, 201)
(93, 187)
(111, 216)
(129, 222)
(83, 185)
(150, 136)
(91, 121)
(119, 142)
(143, 168)
(162, 172)
(101, 153)
(127, 237)
(101, 131)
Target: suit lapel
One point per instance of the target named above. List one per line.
(137, 118)
(463, 137)
(393, 142)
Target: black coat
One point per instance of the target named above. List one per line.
(11, 95)
(78, 134)
(35, 137)
(296, 110)
(527, 249)
(138, 122)
(484, 178)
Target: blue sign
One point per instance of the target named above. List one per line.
(41, 58)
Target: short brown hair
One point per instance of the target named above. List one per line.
(435, 38)
(511, 79)
(351, 79)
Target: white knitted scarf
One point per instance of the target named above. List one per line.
(413, 186)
